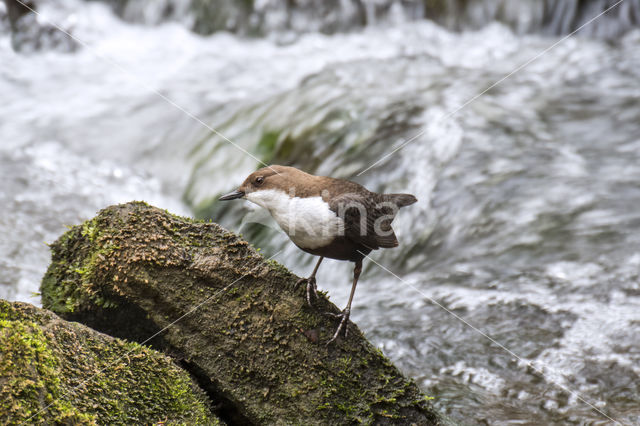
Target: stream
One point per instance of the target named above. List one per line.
(514, 296)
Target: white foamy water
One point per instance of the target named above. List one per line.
(528, 213)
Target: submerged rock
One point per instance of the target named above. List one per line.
(58, 372)
(31, 32)
(205, 296)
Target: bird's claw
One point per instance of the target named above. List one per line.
(342, 327)
(297, 284)
(312, 288)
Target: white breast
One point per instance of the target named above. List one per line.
(307, 221)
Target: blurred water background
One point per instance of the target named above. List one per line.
(529, 197)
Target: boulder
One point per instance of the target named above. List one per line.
(229, 316)
(58, 372)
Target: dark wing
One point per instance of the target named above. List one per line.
(367, 219)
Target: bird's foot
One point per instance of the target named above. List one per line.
(342, 327)
(312, 288)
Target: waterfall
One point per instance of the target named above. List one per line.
(264, 17)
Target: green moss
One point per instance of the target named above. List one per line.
(24, 348)
(70, 283)
(89, 229)
(278, 267)
(77, 289)
(55, 372)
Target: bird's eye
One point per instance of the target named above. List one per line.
(259, 180)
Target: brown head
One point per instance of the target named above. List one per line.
(282, 178)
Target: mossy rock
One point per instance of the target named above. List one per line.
(229, 316)
(57, 372)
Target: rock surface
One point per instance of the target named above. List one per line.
(57, 372)
(203, 295)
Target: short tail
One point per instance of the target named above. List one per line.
(400, 200)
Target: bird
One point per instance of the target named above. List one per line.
(326, 217)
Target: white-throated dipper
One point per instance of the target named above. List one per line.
(326, 217)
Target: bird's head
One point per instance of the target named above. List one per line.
(260, 186)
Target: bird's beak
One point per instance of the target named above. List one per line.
(232, 195)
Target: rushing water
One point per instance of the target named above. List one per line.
(529, 197)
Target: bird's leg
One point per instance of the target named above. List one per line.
(344, 316)
(312, 288)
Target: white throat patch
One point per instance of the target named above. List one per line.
(307, 221)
